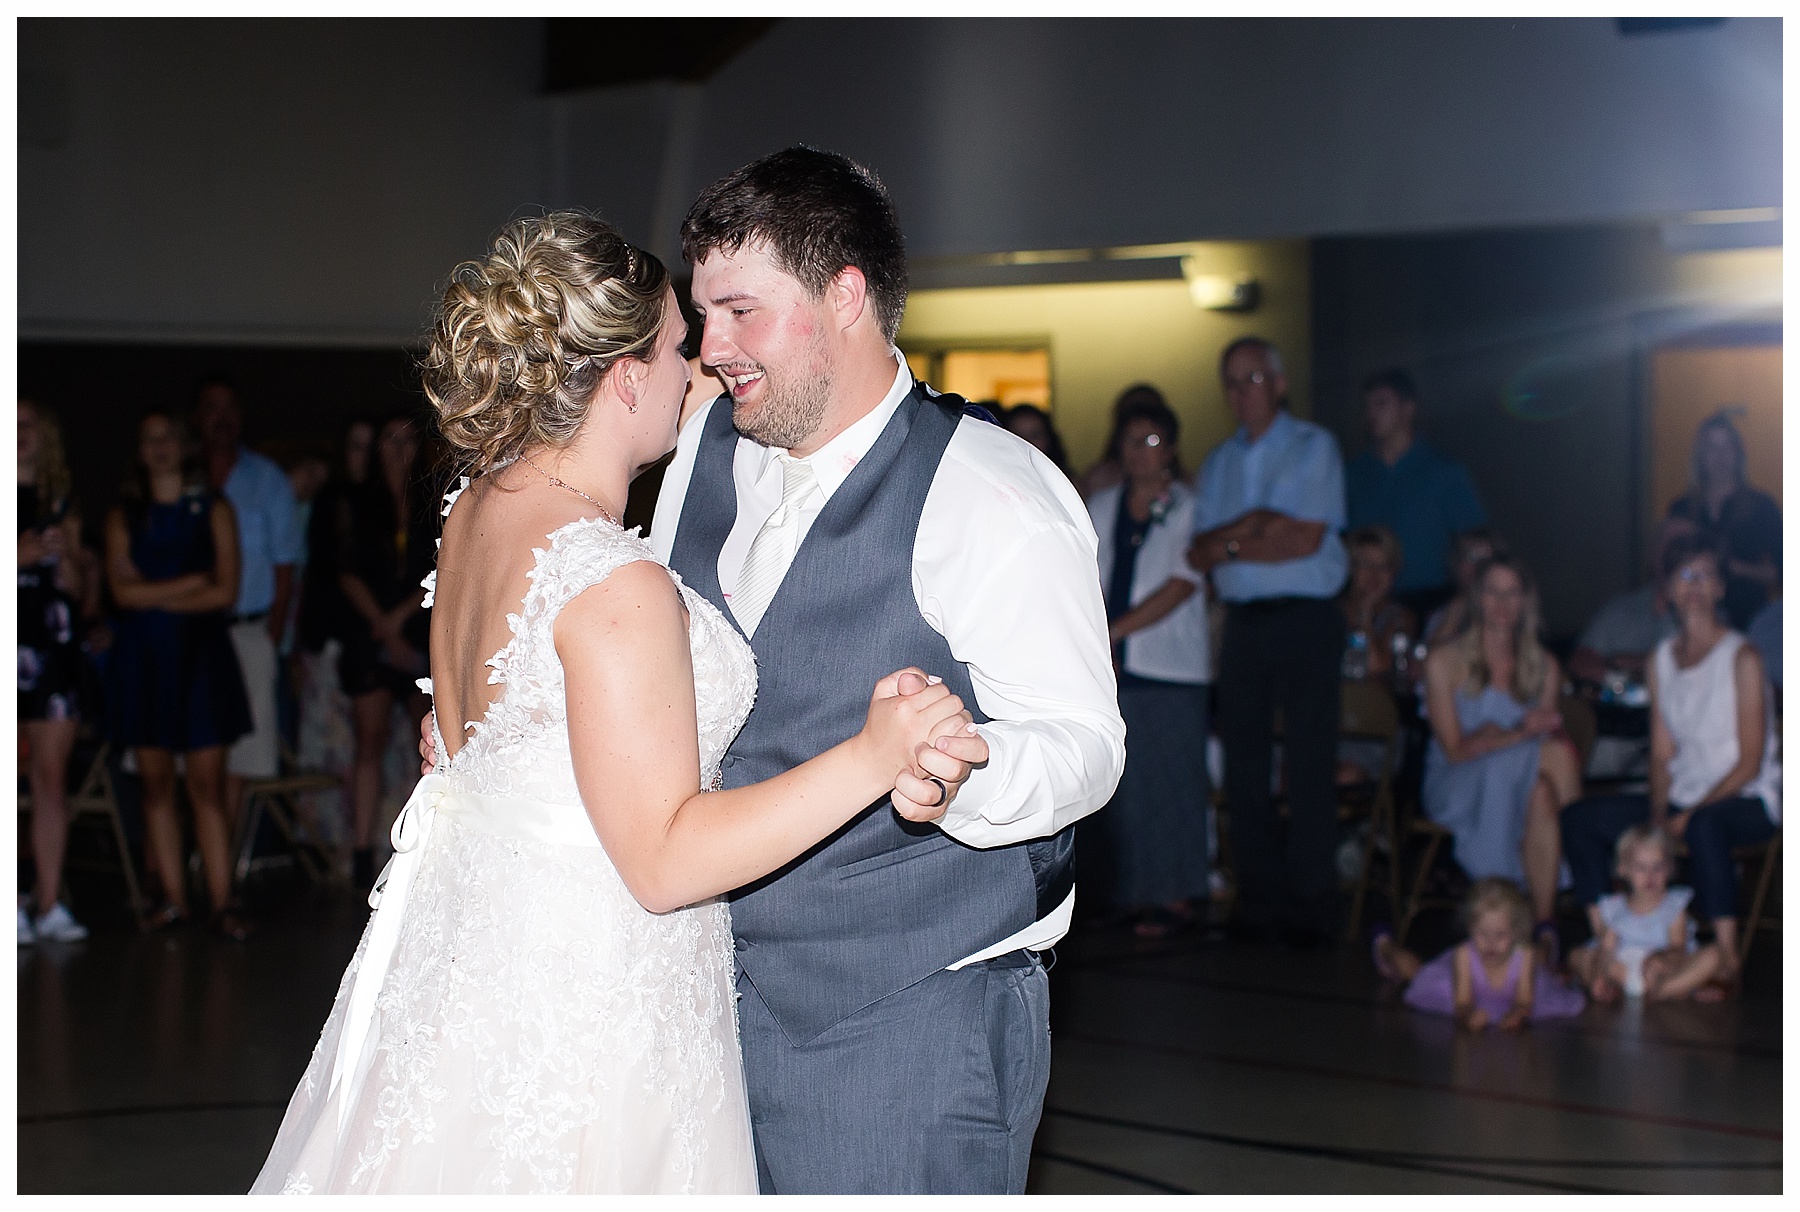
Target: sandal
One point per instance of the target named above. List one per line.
(1716, 990)
(1163, 922)
(231, 923)
(1384, 966)
(163, 917)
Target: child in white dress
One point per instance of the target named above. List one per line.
(1644, 940)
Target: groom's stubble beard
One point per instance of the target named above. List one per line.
(796, 402)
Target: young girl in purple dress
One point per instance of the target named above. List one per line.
(1494, 978)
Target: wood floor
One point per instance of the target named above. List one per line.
(162, 1065)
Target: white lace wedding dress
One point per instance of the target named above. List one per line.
(535, 1030)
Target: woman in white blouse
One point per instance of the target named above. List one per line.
(1715, 779)
(1156, 615)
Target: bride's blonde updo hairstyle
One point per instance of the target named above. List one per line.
(525, 334)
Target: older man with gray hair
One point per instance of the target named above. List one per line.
(1269, 504)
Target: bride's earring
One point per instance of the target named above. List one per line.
(631, 408)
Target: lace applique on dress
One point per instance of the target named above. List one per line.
(539, 1030)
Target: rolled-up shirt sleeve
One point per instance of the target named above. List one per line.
(1018, 600)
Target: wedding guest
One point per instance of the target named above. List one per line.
(1765, 632)
(1497, 772)
(1267, 513)
(172, 564)
(1368, 602)
(1715, 777)
(1405, 484)
(52, 582)
(1621, 636)
(1746, 519)
(325, 739)
(388, 540)
(1469, 550)
(1495, 979)
(322, 604)
(270, 545)
(1109, 470)
(1644, 942)
(1035, 426)
(1156, 611)
(307, 474)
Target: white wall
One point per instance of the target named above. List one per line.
(998, 134)
(310, 180)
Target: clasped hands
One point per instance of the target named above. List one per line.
(921, 714)
(908, 712)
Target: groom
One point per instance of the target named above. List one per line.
(894, 1013)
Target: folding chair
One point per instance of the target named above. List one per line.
(277, 797)
(1367, 712)
(1770, 852)
(95, 796)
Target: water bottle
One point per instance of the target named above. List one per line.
(1356, 656)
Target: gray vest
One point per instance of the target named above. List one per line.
(883, 902)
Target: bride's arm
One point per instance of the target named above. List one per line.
(629, 682)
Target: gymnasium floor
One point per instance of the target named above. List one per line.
(162, 1064)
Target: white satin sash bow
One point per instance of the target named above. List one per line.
(506, 816)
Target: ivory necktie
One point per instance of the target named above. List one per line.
(774, 546)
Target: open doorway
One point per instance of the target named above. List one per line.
(987, 376)
(1692, 379)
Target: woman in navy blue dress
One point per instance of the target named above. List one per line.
(172, 564)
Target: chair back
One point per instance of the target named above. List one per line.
(1579, 723)
(1366, 709)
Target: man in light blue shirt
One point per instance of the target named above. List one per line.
(1269, 503)
(269, 543)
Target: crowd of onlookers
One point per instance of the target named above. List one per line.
(234, 617)
(234, 609)
(1386, 570)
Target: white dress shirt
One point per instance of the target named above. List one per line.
(1005, 569)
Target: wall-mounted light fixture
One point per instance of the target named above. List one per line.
(1216, 292)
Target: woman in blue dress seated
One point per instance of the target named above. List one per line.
(1498, 772)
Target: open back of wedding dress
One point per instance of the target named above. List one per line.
(536, 1029)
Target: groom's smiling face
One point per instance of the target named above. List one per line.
(770, 341)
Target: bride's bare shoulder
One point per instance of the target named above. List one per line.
(636, 604)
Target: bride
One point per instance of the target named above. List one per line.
(543, 999)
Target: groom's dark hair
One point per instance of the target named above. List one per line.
(817, 212)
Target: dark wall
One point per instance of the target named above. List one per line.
(292, 397)
(1527, 347)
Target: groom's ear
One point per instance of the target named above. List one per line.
(848, 295)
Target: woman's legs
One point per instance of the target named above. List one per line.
(212, 829)
(1712, 831)
(1590, 832)
(1558, 784)
(370, 712)
(51, 743)
(162, 830)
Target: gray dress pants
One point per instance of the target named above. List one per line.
(936, 1089)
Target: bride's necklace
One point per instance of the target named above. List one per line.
(604, 511)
